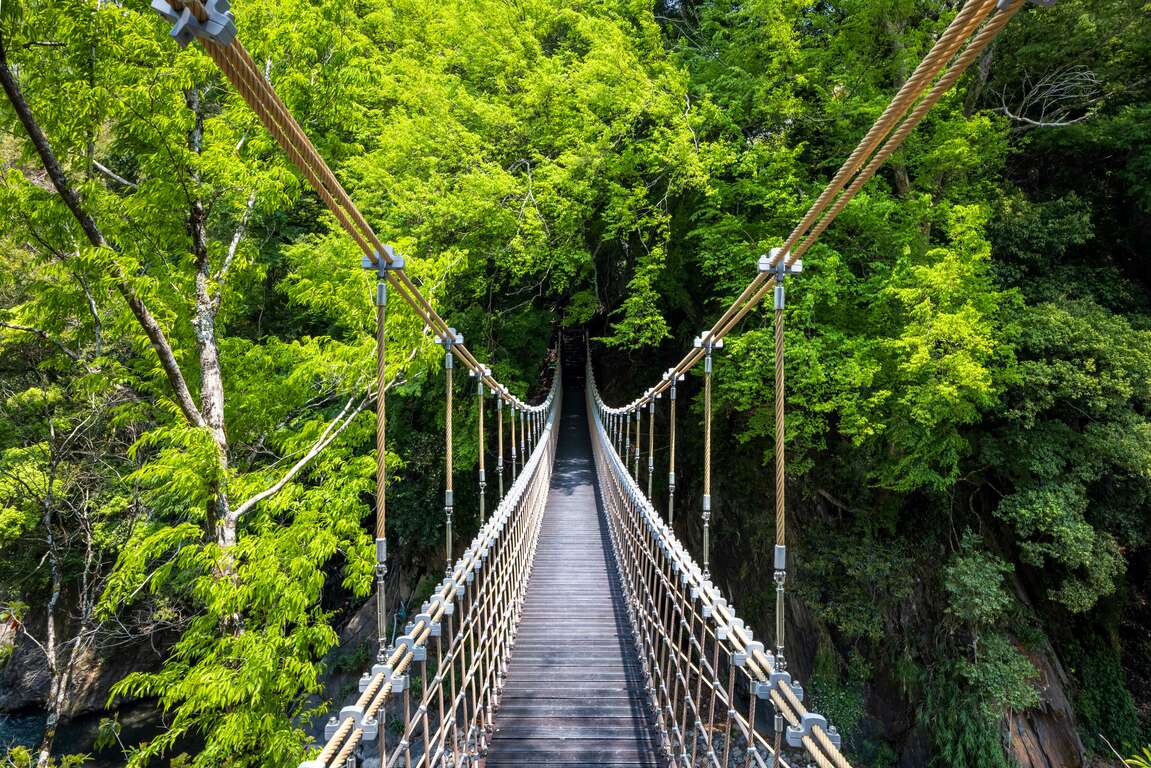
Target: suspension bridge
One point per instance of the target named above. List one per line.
(576, 628)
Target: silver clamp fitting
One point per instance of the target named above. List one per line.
(452, 337)
(708, 345)
(368, 725)
(219, 25)
(433, 626)
(419, 652)
(381, 264)
(377, 669)
(809, 722)
(479, 376)
(672, 377)
(777, 679)
(776, 262)
(739, 658)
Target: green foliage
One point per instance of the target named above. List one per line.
(1105, 708)
(974, 583)
(839, 694)
(19, 757)
(968, 346)
(1140, 760)
(962, 735)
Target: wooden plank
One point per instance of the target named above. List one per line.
(574, 694)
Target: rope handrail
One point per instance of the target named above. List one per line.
(700, 603)
(519, 514)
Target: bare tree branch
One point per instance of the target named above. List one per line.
(330, 433)
(42, 334)
(1063, 96)
(113, 175)
(234, 246)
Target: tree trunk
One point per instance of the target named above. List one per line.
(72, 199)
(57, 684)
(899, 170)
(207, 347)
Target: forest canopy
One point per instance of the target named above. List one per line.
(187, 382)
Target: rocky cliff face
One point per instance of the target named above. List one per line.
(1046, 736)
(24, 679)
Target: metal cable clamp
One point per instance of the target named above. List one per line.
(807, 724)
(218, 25)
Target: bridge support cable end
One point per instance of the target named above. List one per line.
(206, 19)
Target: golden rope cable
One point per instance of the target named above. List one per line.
(650, 445)
(706, 502)
(483, 476)
(671, 456)
(969, 17)
(449, 500)
(780, 574)
(500, 440)
(381, 468)
(985, 36)
(235, 62)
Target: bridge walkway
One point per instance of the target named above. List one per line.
(574, 693)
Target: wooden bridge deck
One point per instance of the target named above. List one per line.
(574, 693)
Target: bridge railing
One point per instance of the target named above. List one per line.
(431, 699)
(718, 697)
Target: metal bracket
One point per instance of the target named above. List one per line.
(433, 626)
(368, 726)
(219, 26)
(479, 375)
(704, 341)
(390, 259)
(673, 377)
(453, 337)
(807, 724)
(377, 669)
(777, 679)
(739, 658)
(419, 652)
(774, 262)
